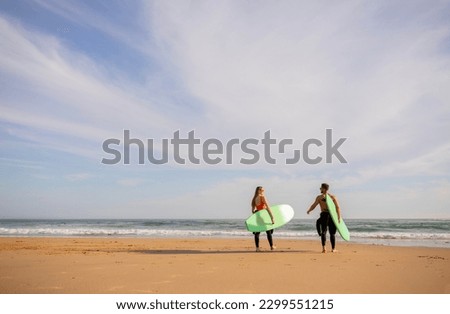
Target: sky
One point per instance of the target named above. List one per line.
(75, 74)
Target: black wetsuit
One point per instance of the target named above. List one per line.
(322, 224)
(269, 237)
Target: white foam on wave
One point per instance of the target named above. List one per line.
(118, 232)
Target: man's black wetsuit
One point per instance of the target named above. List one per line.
(322, 224)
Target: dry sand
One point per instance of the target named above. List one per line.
(123, 265)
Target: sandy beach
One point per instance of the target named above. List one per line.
(131, 265)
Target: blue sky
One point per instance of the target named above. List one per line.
(75, 73)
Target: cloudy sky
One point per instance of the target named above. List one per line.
(76, 73)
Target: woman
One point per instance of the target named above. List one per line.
(259, 203)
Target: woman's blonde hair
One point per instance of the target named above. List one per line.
(258, 188)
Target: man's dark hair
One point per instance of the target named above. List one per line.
(325, 186)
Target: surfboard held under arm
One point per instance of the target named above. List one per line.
(260, 221)
(340, 226)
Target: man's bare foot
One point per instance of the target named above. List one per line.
(324, 250)
(334, 250)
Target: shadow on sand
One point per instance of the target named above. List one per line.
(199, 252)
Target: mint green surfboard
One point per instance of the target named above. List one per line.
(340, 226)
(260, 221)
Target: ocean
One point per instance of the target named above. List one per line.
(398, 232)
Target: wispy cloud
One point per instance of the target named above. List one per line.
(78, 177)
(117, 24)
(298, 68)
(130, 182)
(20, 163)
(66, 93)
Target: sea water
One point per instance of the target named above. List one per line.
(399, 232)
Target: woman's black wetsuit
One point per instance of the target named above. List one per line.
(269, 237)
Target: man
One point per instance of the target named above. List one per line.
(325, 222)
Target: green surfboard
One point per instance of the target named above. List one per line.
(340, 226)
(260, 221)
